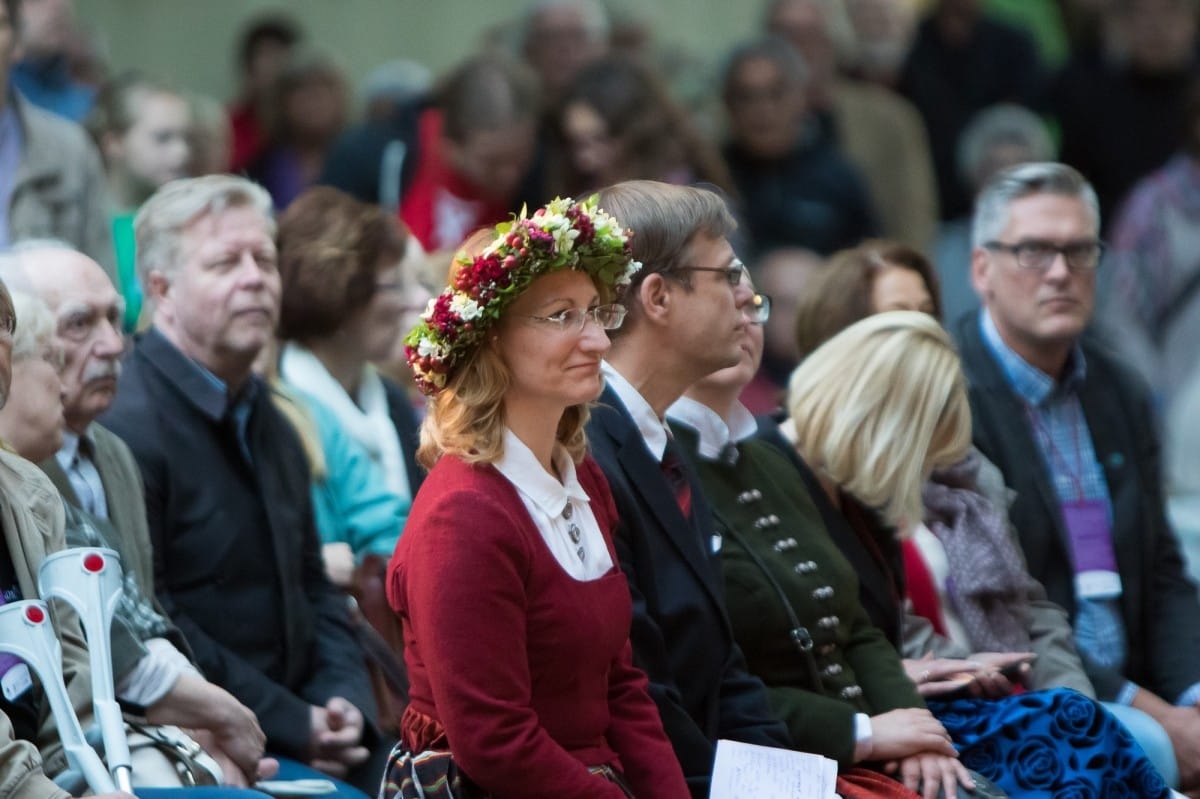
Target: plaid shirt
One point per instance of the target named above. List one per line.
(1056, 420)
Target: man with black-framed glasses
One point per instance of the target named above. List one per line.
(1073, 432)
(686, 315)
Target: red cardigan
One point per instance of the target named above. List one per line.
(528, 670)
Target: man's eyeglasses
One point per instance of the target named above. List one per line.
(1038, 256)
(759, 309)
(733, 273)
(572, 320)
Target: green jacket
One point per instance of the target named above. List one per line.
(762, 507)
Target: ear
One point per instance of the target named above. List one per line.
(981, 272)
(158, 288)
(656, 298)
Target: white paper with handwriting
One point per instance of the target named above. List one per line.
(741, 770)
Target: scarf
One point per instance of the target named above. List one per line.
(368, 422)
(989, 585)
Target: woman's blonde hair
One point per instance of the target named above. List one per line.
(879, 406)
(466, 418)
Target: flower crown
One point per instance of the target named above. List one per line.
(564, 234)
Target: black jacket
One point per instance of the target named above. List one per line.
(1159, 602)
(237, 562)
(681, 635)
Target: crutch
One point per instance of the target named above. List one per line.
(25, 631)
(89, 580)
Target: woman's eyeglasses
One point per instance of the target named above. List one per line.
(572, 320)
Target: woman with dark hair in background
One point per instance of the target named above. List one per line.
(617, 121)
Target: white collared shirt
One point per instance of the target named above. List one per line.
(653, 429)
(548, 500)
(715, 433)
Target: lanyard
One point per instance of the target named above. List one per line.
(1073, 472)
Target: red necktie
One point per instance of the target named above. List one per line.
(672, 467)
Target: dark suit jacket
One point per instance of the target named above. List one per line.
(237, 562)
(1159, 602)
(681, 635)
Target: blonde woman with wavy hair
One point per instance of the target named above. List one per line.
(878, 407)
(516, 617)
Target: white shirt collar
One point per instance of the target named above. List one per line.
(653, 429)
(715, 433)
(521, 468)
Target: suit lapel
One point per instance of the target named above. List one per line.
(647, 480)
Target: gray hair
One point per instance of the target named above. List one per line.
(995, 127)
(36, 327)
(1015, 183)
(592, 12)
(160, 222)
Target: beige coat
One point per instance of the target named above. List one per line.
(31, 515)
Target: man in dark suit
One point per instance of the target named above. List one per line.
(684, 322)
(1073, 432)
(237, 562)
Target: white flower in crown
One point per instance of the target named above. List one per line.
(429, 306)
(427, 348)
(631, 269)
(564, 237)
(465, 307)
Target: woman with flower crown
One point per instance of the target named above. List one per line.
(516, 618)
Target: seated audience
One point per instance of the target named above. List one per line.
(1152, 311)
(879, 131)
(558, 38)
(795, 187)
(783, 275)
(997, 137)
(960, 62)
(1134, 90)
(226, 488)
(304, 112)
(141, 127)
(873, 412)
(51, 181)
(683, 322)
(617, 121)
(964, 504)
(94, 471)
(343, 298)
(451, 166)
(831, 674)
(263, 49)
(1072, 430)
(539, 696)
(43, 73)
